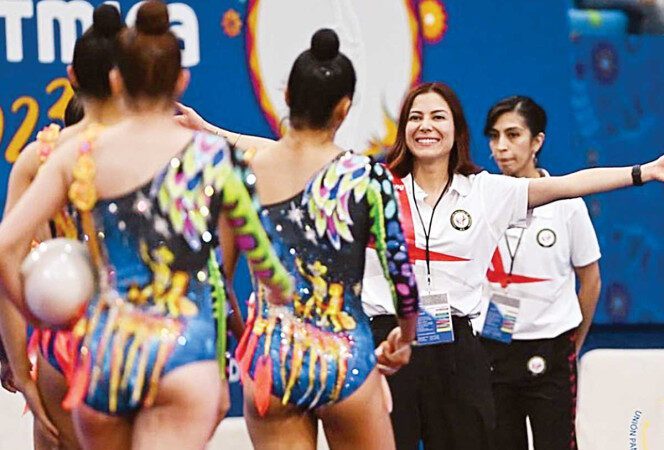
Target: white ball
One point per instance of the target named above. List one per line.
(58, 280)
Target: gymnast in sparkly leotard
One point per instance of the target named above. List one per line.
(50, 350)
(324, 206)
(321, 346)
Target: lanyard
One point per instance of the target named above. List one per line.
(427, 232)
(516, 249)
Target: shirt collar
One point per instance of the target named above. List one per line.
(460, 184)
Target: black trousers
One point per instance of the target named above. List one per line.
(535, 379)
(443, 397)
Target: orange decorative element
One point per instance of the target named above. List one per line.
(378, 146)
(231, 22)
(263, 384)
(433, 18)
(255, 71)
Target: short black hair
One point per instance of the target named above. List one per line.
(532, 113)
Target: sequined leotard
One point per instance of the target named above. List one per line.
(157, 313)
(54, 345)
(320, 349)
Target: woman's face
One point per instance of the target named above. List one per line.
(430, 128)
(512, 145)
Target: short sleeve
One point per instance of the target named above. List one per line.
(504, 200)
(584, 248)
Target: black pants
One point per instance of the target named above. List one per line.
(443, 397)
(524, 387)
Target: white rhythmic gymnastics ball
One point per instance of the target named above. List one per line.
(58, 280)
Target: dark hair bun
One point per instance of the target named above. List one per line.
(324, 44)
(152, 18)
(106, 21)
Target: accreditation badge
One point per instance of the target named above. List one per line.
(501, 318)
(434, 321)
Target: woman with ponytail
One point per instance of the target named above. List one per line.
(150, 199)
(94, 56)
(314, 359)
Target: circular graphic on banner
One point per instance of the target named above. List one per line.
(546, 237)
(461, 220)
(536, 365)
(385, 50)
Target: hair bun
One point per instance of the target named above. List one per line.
(152, 18)
(106, 21)
(325, 44)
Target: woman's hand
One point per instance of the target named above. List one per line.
(653, 171)
(28, 388)
(393, 353)
(189, 118)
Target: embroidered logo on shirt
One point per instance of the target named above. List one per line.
(546, 237)
(461, 220)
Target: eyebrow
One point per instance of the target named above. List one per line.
(432, 112)
(512, 128)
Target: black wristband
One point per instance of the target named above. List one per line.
(636, 175)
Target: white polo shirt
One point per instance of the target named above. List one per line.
(468, 222)
(559, 237)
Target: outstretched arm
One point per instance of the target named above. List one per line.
(189, 118)
(393, 255)
(251, 238)
(589, 181)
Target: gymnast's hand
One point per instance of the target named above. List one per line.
(393, 352)
(189, 118)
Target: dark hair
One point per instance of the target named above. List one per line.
(532, 113)
(321, 76)
(149, 58)
(399, 157)
(95, 52)
(74, 111)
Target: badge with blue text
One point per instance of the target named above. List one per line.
(501, 318)
(434, 321)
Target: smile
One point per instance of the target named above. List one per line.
(427, 140)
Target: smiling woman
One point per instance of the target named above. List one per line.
(453, 217)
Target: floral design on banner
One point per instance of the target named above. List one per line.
(433, 18)
(231, 23)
